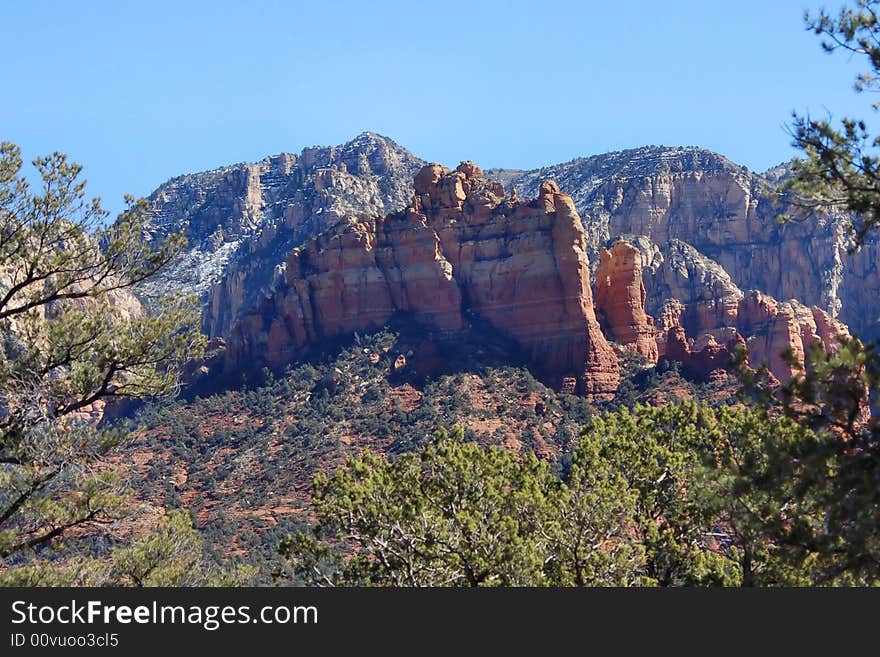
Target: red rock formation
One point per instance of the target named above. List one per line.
(701, 360)
(829, 330)
(769, 328)
(772, 331)
(520, 266)
(463, 250)
(620, 300)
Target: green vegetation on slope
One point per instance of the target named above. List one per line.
(680, 495)
(243, 461)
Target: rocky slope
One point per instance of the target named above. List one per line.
(243, 461)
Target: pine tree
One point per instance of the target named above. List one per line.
(836, 393)
(456, 514)
(72, 340)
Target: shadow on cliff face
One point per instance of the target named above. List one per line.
(418, 356)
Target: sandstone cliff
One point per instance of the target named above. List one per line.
(620, 300)
(461, 250)
(242, 220)
(705, 230)
(720, 211)
(702, 331)
(695, 205)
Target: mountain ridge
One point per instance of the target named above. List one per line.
(693, 208)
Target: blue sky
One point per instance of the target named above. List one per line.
(141, 91)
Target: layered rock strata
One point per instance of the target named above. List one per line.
(241, 221)
(298, 248)
(620, 300)
(461, 250)
(704, 331)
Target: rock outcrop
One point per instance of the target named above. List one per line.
(297, 248)
(703, 316)
(779, 331)
(727, 214)
(461, 250)
(701, 360)
(776, 334)
(620, 300)
(241, 221)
